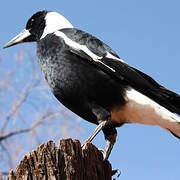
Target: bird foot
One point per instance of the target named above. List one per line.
(116, 172)
(101, 149)
(84, 145)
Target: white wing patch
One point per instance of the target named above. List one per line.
(110, 56)
(83, 48)
(54, 22)
(141, 109)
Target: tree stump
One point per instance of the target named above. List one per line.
(67, 162)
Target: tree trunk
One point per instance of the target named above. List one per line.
(67, 162)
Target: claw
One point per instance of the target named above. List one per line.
(83, 146)
(110, 141)
(116, 171)
(102, 150)
(110, 138)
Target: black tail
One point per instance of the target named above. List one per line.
(172, 98)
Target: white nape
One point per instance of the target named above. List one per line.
(79, 47)
(55, 21)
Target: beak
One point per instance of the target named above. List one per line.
(18, 39)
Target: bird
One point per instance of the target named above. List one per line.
(91, 79)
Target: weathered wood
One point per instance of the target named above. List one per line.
(67, 162)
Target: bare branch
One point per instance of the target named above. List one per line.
(40, 121)
(18, 102)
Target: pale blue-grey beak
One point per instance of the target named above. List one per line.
(18, 39)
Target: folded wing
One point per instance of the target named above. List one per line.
(94, 51)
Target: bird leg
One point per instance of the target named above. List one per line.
(110, 134)
(96, 131)
(103, 117)
(110, 141)
(108, 128)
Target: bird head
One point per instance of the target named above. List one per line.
(38, 26)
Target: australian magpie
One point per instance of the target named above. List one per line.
(91, 80)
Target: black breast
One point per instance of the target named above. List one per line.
(75, 82)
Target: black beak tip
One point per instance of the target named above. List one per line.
(6, 46)
(9, 45)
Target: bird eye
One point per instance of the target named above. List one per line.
(32, 20)
(30, 23)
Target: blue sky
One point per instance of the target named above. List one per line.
(146, 35)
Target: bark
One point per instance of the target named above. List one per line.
(66, 162)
